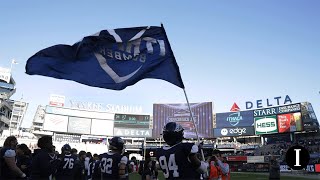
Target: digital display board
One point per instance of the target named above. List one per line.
(289, 122)
(102, 127)
(131, 121)
(57, 123)
(79, 125)
(234, 119)
(179, 113)
(266, 125)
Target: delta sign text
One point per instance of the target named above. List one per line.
(276, 101)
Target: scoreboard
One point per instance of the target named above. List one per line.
(131, 121)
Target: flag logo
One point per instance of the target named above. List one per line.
(111, 59)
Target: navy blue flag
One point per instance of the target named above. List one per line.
(111, 59)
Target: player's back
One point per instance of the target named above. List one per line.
(66, 169)
(174, 161)
(110, 165)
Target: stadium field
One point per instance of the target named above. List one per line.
(247, 176)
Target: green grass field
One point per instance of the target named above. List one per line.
(246, 176)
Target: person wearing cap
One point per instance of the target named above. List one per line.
(219, 168)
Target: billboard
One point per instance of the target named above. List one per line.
(202, 115)
(266, 125)
(57, 100)
(289, 122)
(235, 131)
(234, 119)
(79, 125)
(237, 158)
(53, 122)
(131, 121)
(79, 113)
(102, 127)
(67, 138)
(255, 159)
(132, 132)
(277, 110)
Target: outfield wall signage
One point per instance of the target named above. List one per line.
(255, 159)
(235, 131)
(276, 101)
(277, 110)
(237, 158)
(234, 119)
(225, 146)
(266, 125)
(289, 122)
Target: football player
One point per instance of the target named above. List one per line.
(179, 160)
(113, 163)
(67, 162)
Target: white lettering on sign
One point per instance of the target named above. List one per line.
(268, 102)
(111, 108)
(132, 132)
(297, 157)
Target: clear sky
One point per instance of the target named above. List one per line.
(227, 51)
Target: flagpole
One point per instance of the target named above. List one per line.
(197, 134)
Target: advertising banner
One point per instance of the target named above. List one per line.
(226, 146)
(102, 127)
(79, 113)
(255, 159)
(234, 119)
(285, 168)
(317, 167)
(67, 138)
(202, 115)
(79, 125)
(289, 122)
(277, 110)
(55, 123)
(57, 100)
(247, 147)
(237, 158)
(132, 132)
(236, 131)
(266, 125)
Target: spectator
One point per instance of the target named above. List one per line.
(274, 169)
(219, 169)
(9, 168)
(44, 161)
(24, 158)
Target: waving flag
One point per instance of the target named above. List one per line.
(111, 59)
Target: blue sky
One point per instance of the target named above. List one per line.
(227, 51)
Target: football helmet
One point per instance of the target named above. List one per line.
(66, 148)
(172, 133)
(116, 143)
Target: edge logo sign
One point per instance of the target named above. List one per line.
(266, 125)
(239, 131)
